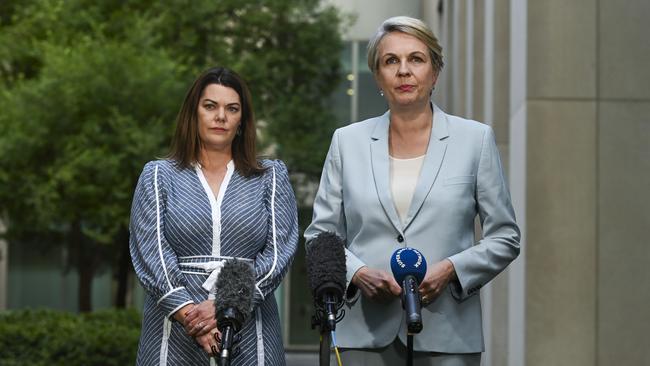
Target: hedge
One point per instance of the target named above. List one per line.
(48, 337)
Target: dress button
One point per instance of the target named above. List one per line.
(400, 238)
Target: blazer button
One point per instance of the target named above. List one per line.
(400, 238)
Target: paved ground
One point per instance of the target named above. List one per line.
(304, 359)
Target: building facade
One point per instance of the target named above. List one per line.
(565, 86)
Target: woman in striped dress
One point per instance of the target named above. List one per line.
(211, 200)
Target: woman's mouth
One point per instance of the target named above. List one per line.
(406, 88)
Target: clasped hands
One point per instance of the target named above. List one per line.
(381, 286)
(200, 322)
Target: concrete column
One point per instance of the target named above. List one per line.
(517, 135)
(459, 58)
(561, 183)
(569, 101)
(623, 125)
(501, 73)
(429, 10)
(480, 34)
(470, 58)
(443, 95)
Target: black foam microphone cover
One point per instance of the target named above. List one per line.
(326, 272)
(234, 296)
(326, 265)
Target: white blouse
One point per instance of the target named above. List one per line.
(404, 174)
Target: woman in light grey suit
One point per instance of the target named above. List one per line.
(415, 177)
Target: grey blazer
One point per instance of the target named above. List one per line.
(461, 178)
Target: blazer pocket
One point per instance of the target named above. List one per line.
(461, 179)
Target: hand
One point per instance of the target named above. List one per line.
(201, 319)
(376, 284)
(209, 342)
(181, 313)
(436, 280)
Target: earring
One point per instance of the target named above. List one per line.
(381, 92)
(239, 130)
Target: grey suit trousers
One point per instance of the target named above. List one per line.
(395, 355)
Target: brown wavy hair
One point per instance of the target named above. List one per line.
(186, 144)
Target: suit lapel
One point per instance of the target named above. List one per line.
(380, 169)
(432, 162)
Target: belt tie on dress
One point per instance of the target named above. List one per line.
(213, 268)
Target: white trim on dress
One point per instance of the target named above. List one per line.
(258, 312)
(169, 293)
(215, 207)
(164, 345)
(259, 328)
(275, 247)
(162, 258)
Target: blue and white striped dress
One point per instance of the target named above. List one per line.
(181, 233)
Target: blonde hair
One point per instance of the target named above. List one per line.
(411, 26)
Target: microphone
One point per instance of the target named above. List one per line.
(233, 303)
(409, 268)
(326, 272)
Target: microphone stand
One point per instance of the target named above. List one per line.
(409, 349)
(324, 351)
(326, 319)
(226, 346)
(229, 322)
(413, 316)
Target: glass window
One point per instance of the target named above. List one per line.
(370, 103)
(341, 100)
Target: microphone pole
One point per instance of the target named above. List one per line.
(412, 307)
(328, 318)
(227, 336)
(409, 349)
(224, 357)
(324, 352)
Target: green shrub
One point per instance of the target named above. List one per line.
(48, 337)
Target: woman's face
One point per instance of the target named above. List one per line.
(405, 71)
(219, 113)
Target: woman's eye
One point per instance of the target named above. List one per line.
(209, 107)
(417, 59)
(233, 109)
(391, 60)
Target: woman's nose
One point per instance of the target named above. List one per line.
(221, 114)
(403, 69)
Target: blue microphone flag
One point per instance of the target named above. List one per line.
(408, 261)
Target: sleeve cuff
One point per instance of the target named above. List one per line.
(352, 293)
(258, 295)
(456, 286)
(464, 287)
(353, 264)
(170, 315)
(174, 300)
